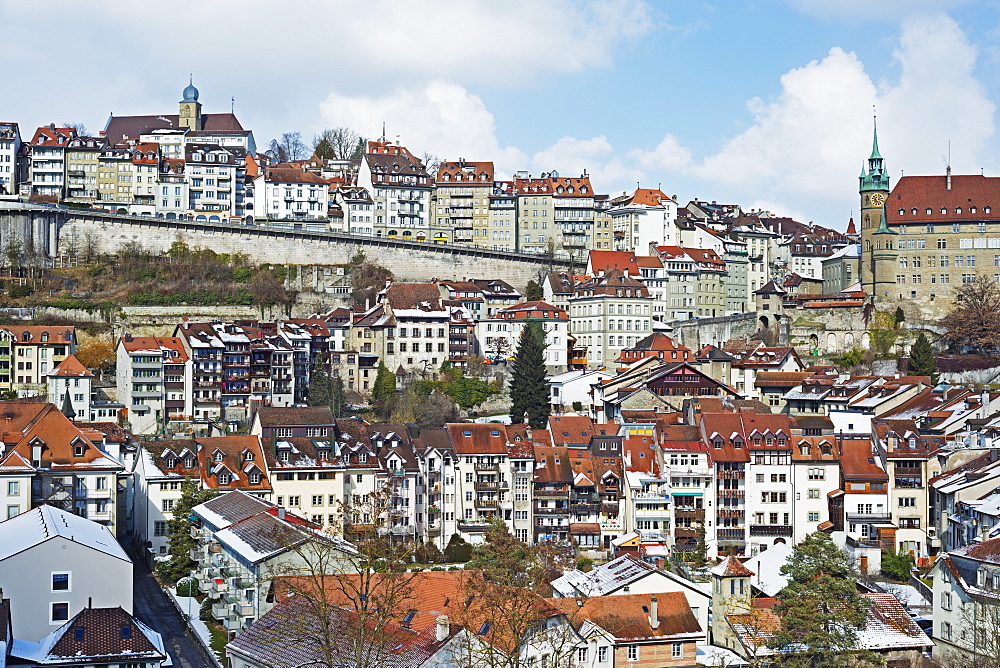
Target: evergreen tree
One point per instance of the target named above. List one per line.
(529, 391)
(533, 291)
(384, 390)
(179, 531)
(820, 610)
(320, 392)
(922, 360)
(338, 402)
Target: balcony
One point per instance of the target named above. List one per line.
(730, 533)
(489, 485)
(867, 518)
(693, 513)
(487, 467)
(909, 483)
(585, 507)
(730, 475)
(551, 493)
(685, 532)
(552, 511)
(770, 530)
(487, 503)
(731, 494)
(729, 512)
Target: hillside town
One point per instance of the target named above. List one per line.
(633, 457)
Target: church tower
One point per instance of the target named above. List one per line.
(190, 113)
(874, 191)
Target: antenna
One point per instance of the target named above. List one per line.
(232, 105)
(949, 153)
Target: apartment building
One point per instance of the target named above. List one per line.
(502, 228)
(47, 153)
(49, 460)
(287, 192)
(460, 204)
(155, 381)
(70, 386)
(609, 313)
(28, 353)
(645, 217)
(243, 541)
(82, 155)
(498, 336)
(10, 150)
(400, 189)
(909, 460)
(216, 178)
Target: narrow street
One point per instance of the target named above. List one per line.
(154, 609)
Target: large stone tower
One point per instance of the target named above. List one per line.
(876, 237)
(190, 113)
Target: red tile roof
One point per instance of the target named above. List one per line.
(70, 367)
(923, 192)
(626, 616)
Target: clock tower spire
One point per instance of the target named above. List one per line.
(876, 237)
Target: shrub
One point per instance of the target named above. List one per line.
(457, 551)
(187, 587)
(18, 291)
(584, 564)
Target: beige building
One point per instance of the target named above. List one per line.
(460, 205)
(609, 313)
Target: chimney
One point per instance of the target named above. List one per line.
(654, 610)
(947, 177)
(443, 628)
(281, 513)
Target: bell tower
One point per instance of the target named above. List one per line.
(190, 111)
(874, 191)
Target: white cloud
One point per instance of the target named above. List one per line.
(806, 146)
(440, 118)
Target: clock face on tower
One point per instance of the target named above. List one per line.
(876, 199)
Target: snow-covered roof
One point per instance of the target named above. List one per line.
(766, 567)
(43, 523)
(611, 577)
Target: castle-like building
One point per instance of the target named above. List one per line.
(925, 237)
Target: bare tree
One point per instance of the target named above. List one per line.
(339, 143)
(81, 129)
(974, 322)
(348, 603)
(431, 162)
(978, 639)
(289, 147)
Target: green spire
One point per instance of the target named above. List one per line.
(875, 154)
(882, 227)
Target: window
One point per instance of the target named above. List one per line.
(581, 654)
(633, 652)
(159, 528)
(813, 494)
(60, 613)
(13, 487)
(946, 600)
(13, 511)
(60, 582)
(677, 650)
(317, 499)
(602, 654)
(167, 505)
(817, 474)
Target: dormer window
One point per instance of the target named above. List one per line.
(283, 456)
(826, 450)
(45, 337)
(362, 457)
(255, 478)
(249, 457)
(170, 462)
(224, 478)
(189, 462)
(26, 336)
(323, 454)
(217, 457)
(738, 443)
(78, 450)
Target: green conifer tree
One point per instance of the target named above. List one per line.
(384, 390)
(922, 360)
(529, 391)
(820, 609)
(179, 531)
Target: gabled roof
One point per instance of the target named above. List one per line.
(72, 368)
(731, 567)
(43, 523)
(627, 616)
(95, 635)
(271, 416)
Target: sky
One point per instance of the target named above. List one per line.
(768, 104)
